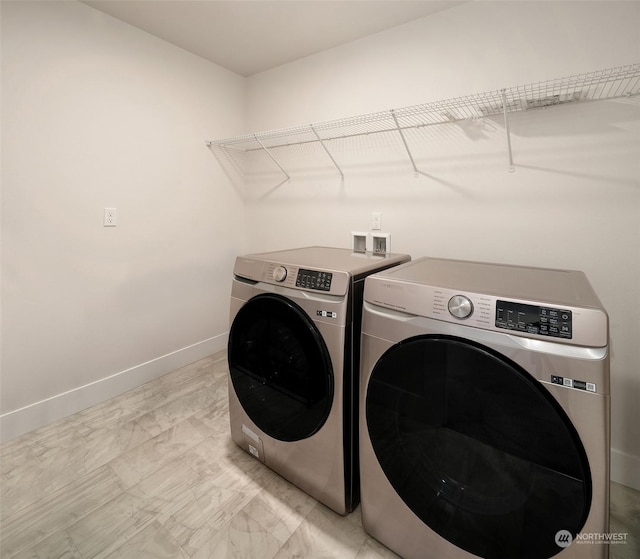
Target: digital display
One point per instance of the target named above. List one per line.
(312, 279)
(532, 319)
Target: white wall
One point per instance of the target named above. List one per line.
(572, 202)
(96, 113)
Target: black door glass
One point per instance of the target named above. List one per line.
(477, 448)
(280, 368)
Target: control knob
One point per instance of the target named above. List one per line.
(460, 306)
(280, 274)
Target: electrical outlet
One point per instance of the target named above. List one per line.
(376, 221)
(110, 217)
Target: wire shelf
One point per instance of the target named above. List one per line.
(623, 81)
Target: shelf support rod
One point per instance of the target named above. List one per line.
(404, 141)
(271, 156)
(506, 128)
(327, 151)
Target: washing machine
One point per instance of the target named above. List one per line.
(484, 414)
(293, 352)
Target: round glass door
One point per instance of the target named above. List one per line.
(280, 368)
(477, 448)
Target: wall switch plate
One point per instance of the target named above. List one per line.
(110, 217)
(376, 221)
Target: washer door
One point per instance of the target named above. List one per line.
(477, 448)
(280, 368)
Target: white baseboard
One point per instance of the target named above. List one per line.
(36, 415)
(625, 469)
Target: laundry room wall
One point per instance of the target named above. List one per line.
(95, 114)
(573, 200)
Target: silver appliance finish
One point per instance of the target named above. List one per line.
(323, 464)
(437, 297)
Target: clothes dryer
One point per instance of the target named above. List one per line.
(484, 415)
(294, 348)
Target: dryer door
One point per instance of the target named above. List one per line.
(477, 448)
(280, 368)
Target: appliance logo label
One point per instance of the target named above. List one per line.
(327, 314)
(573, 383)
(389, 285)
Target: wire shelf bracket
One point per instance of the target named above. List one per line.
(404, 141)
(326, 149)
(611, 83)
(272, 157)
(506, 130)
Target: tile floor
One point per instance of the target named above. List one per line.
(154, 474)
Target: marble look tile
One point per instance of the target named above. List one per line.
(106, 444)
(57, 511)
(57, 546)
(110, 526)
(232, 479)
(136, 464)
(37, 445)
(150, 425)
(188, 525)
(241, 538)
(45, 475)
(172, 494)
(625, 518)
(214, 366)
(220, 504)
(217, 415)
(279, 507)
(225, 463)
(324, 534)
(166, 484)
(153, 542)
(182, 407)
(150, 396)
(120, 409)
(372, 549)
(268, 520)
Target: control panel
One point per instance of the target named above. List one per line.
(293, 277)
(490, 313)
(555, 319)
(532, 319)
(314, 279)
